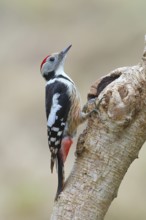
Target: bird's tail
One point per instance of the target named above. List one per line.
(60, 170)
(53, 159)
(60, 159)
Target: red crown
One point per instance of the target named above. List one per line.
(44, 60)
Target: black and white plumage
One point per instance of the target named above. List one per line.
(57, 108)
(63, 110)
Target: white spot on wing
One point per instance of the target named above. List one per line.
(57, 142)
(62, 124)
(59, 133)
(55, 129)
(52, 139)
(55, 107)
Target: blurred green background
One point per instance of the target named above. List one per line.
(105, 35)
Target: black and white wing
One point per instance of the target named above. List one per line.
(57, 109)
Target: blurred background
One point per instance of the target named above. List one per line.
(105, 35)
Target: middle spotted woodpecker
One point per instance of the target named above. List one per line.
(63, 110)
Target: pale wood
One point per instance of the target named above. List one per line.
(107, 147)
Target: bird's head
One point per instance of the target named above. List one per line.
(53, 62)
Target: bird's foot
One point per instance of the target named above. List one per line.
(92, 102)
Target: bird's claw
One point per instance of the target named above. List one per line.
(93, 101)
(94, 111)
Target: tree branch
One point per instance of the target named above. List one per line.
(108, 145)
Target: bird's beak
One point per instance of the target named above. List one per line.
(63, 53)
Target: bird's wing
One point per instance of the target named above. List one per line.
(57, 109)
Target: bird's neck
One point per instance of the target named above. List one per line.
(59, 73)
(49, 76)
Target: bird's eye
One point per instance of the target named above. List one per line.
(52, 59)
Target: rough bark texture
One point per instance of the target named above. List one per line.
(108, 145)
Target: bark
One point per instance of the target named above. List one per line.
(108, 145)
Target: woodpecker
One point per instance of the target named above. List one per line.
(63, 111)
